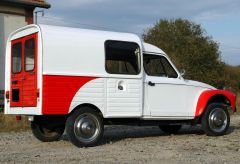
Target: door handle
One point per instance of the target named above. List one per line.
(32, 73)
(151, 83)
(120, 87)
(23, 78)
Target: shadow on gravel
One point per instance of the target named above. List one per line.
(117, 133)
(114, 134)
(231, 129)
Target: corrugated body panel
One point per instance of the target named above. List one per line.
(128, 100)
(91, 93)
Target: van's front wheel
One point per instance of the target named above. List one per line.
(85, 127)
(215, 120)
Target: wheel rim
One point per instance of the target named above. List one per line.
(86, 127)
(217, 120)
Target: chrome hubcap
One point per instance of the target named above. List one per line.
(217, 120)
(86, 127)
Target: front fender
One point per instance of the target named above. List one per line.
(207, 95)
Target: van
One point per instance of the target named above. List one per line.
(78, 80)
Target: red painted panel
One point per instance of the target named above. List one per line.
(58, 92)
(206, 95)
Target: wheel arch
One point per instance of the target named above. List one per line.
(215, 96)
(78, 107)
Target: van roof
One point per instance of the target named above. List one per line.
(149, 48)
(63, 30)
(96, 33)
(70, 30)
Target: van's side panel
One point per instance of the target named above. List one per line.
(70, 54)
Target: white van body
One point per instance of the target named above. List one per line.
(69, 70)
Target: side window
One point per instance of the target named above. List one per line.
(17, 57)
(122, 57)
(155, 65)
(152, 65)
(29, 52)
(171, 73)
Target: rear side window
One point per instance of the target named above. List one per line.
(17, 57)
(29, 52)
(122, 57)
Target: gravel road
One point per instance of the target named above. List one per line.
(123, 144)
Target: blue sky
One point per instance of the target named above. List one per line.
(220, 18)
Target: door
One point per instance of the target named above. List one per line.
(16, 73)
(24, 72)
(124, 85)
(165, 93)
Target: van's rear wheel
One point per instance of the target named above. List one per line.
(170, 129)
(46, 133)
(85, 127)
(215, 120)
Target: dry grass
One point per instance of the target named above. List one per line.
(238, 103)
(9, 123)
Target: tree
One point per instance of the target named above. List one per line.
(190, 48)
(231, 78)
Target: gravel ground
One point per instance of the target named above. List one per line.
(123, 144)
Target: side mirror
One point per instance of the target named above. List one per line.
(182, 72)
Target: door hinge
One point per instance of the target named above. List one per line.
(7, 95)
(38, 93)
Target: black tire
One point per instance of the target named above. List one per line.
(170, 129)
(45, 133)
(85, 127)
(215, 120)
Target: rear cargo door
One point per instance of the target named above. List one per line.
(29, 89)
(24, 72)
(16, 73)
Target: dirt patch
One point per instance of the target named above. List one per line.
(122, 144)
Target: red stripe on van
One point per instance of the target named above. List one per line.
(58, 92)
